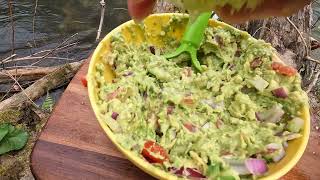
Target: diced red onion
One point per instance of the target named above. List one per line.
(280, 92)
(145, 95)
(187, 72)
(238, 53)
(213, 104)
(276, 117)
(279, 155)
(295, 125)
(256, 63)
(259, 116)
(193, 172)
(228, 157)
(114, 94)
(272, 147)
(241, 169)
(273, 115)
(114, 115)
(187, 172)
(173, 134)
(232, 67)
(259, 83)
(170, 109)
(256, 166)
(176, 171)
(219, 123)
(219, 40)
(237, 165)
(226, 154)
(292, 136)
(130, 73)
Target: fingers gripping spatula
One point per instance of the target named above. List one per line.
(192, 39)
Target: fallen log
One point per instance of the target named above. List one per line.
(25, 74)
(56, 78)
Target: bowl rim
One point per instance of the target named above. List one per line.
(143, 164)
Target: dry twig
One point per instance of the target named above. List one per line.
(35, 56)
(311, 59)
(8, 58)
(26, 74)
(17, 83)
(40, 87)
(103, 8)
(34, 22)
(314, 82)
(302, 38)
(54, 49)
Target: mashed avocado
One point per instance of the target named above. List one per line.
(242, 108)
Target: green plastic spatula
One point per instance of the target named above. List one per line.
(192, 39)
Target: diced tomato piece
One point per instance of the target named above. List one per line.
(188, 101)
(84, 81)
(115, 93)
(190, 127)
(154, 153)
(219, 123)
(170, 109)
(283, 69)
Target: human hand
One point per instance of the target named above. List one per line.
(139, 9)
(269, 8)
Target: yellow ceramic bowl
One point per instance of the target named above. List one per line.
(151, 31)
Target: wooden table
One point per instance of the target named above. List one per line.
(74, 146)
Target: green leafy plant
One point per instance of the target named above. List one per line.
(48, 103)
(12, 138)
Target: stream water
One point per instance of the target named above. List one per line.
(55, 21)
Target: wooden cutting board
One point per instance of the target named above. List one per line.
(74, 146)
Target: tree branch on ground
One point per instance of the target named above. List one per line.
(17, 83)
(40, 87)
(307, 50)
(314, 82)
(28, 74)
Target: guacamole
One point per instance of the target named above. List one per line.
(225, 123)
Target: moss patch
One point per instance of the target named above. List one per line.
(16, 164)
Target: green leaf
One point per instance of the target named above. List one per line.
(15, 139)
(48, 103)
(4, 129)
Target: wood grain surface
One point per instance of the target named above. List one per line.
(74, 146)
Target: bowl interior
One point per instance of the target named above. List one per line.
(159, 30)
